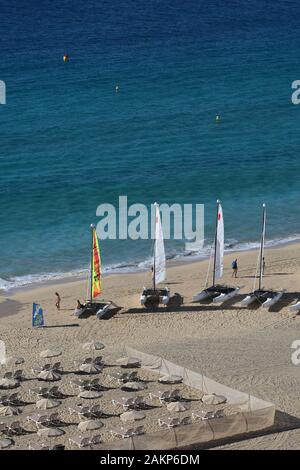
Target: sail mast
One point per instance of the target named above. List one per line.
(215, 251)
(92, 261)
(154, 248)
(262, 245)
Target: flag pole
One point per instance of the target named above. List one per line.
(92, 261)
(216, 231)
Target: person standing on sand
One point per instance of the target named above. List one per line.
(58, 300)
(234, 268)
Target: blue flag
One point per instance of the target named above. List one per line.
(37, 315)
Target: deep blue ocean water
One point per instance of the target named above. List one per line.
(69, 142)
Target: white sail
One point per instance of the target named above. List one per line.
(159, 249)
(219, 244)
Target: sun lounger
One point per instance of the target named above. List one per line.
(207, 414)
(38, 419)
(3, 400)
(186, 420)
(125, 402)
(80, 441)
(95, 440)
(38, 446)
(162, 396)
(138, 431)
(8, 375)
(3, 428)
(175, 394)
(18, 375)
(15, 428)
(139, 402)
(13, 399)
(122, 432)
(169, 422)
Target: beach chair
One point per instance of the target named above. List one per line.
(138, 431)
(8, 375)
(53, 419)
(162, 396)
(57, 367)
(88, 360)
(15, 428)
(175, 394)
(38, 419)
(18, 375)
(40, 392)
(80, 441)
(122, 432)
(203, 415)
(95, 411)
(125, 402)
(95, 440)
(3, 428)
(169, 422)
(3, 400)
(219, 414)
(54, 392)
(186, 420)
(98, 360)
(13, 399)
(139, 402)
(38, 446)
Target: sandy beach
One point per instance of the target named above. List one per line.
(247, 349)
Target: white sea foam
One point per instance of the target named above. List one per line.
(140, 266)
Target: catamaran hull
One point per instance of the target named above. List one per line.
(248, 300)
(272, 300)
(223, 297)
(203, 295)
(295, 307)
(152, 299)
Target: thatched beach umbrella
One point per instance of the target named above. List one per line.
(49, 376)
(8, 383)
(90, 394)
(50, 432)
(90, 368)
(9, 411)
(213, 399)
(132, 416)
(171, 379)
(134, 386)
(50, 353)
(4, 443)
(47, 403)
(93, 346)
(90, 425)
(178, 406)
(128, 362)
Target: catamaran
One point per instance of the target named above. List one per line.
(218, 292)
(102, 310)
(151, 298)
(266, 297)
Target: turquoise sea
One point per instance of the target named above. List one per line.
(69, 142)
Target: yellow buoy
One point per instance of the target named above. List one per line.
(65, 58)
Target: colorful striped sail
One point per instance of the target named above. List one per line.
(96, 267)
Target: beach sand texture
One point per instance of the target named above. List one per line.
(246, 349)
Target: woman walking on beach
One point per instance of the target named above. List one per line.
(57, 302)
(234, 268)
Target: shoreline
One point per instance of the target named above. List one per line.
(171, 263)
